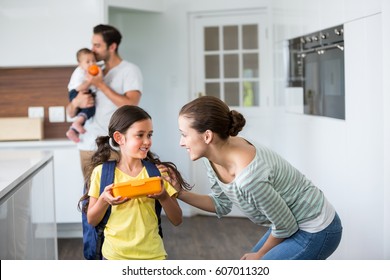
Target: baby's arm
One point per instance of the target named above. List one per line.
(84, 86)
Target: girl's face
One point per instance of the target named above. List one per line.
(192, 140)
(137, 140)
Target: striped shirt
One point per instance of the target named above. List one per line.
(270, 192)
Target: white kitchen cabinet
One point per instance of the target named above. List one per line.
(68, 181)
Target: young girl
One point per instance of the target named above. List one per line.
(132, 228)
(303, 224)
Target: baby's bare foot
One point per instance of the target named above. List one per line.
(78, 127)
(73, 135)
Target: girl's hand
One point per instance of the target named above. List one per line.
(162, 195)
(110, 199)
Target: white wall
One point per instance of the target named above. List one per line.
(386, 124)
(344, 158)
(46, 33)
(142, 5)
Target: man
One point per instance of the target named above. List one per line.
(118, 84)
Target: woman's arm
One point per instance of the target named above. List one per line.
(200, 201)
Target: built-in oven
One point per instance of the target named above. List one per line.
(316, 64)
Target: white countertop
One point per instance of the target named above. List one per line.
(37, 143)
(15, 166)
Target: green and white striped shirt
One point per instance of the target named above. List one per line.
(269, 191)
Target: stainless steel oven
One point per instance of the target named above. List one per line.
(316, 63)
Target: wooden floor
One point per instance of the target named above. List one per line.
(197, 238)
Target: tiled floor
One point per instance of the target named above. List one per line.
(197, 238)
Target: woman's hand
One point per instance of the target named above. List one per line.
(251, 256)
(169, 176)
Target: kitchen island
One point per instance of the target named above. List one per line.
(68, 180)
(27, 206)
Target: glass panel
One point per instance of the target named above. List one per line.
(232, 94)
(231, 65)
(213, 89)
(251, 65)
(249, 37)
(230, 37)
(211, 38)
(7, 230)
(250, 93)
(212, 66)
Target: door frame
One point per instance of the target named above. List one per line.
(198, 171)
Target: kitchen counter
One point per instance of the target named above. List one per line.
(37, 144)
(16, 166)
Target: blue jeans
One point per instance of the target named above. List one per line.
(303, 245)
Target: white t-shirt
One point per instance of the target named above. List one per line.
(77, 78)
(122, 78)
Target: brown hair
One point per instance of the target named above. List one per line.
(83, 51)
(109, 33)
(211, 113)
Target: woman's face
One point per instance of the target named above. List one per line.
(137, 140)
(192, 140)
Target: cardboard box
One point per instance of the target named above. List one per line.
(23, 128)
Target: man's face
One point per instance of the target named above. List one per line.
(99, 47)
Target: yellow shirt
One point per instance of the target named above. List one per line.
(132, 228)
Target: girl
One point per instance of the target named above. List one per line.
(269, 191)
(132, 228)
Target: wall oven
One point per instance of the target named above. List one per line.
(316, 64)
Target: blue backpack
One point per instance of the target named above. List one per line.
(93, 237)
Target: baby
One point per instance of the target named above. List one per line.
(77, 83)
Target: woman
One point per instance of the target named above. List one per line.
(269, 191)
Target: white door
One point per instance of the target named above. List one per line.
(230, 60)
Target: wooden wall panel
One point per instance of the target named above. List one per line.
(21, 88)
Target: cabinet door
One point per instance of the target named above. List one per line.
(68, 184)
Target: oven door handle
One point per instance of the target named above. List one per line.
(322, 49)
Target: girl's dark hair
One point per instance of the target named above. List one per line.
(211, 113)
(109, 33)
(123, 118)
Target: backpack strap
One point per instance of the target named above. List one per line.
(151, 168)
(153, 171)
(107, 178)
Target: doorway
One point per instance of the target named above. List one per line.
(230, 59)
